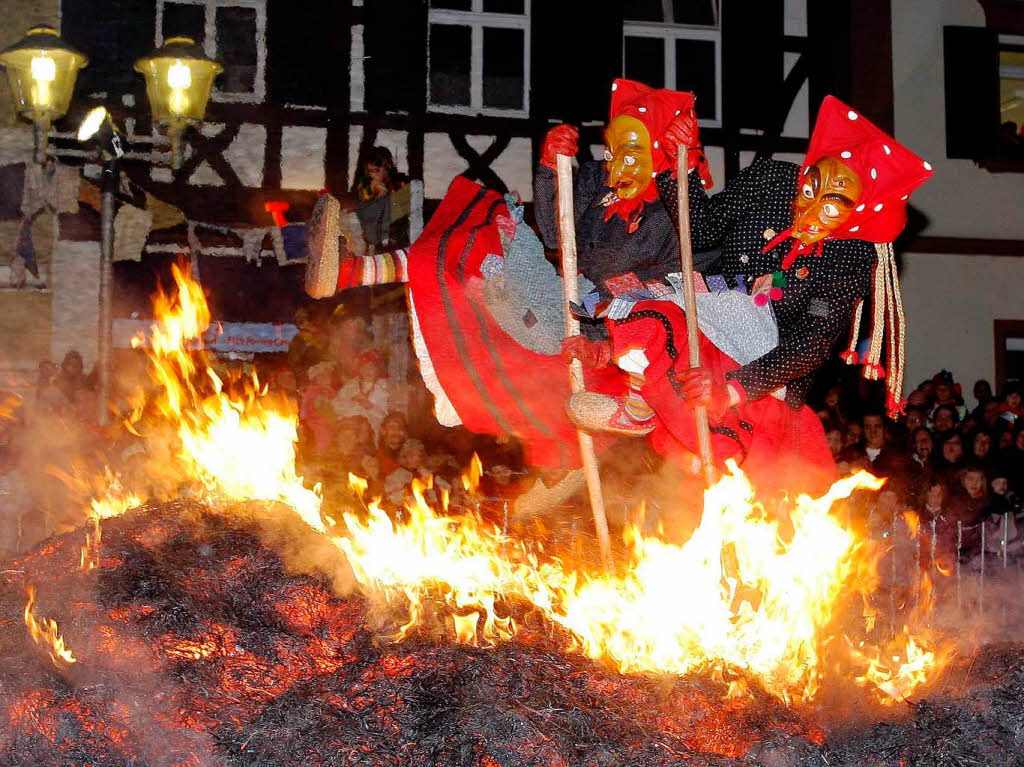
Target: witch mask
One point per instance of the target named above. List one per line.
(627, 156)
(827, 197)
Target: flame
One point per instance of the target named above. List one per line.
(900, 669)
(751, 596)
(45, 634)
(737, 597)
(357, 485)
(237, 443)
(471, 477)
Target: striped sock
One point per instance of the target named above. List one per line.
(636, 406)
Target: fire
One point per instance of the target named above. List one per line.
(737, 598)
(471, 477)
(901, 668)
(232, 443)
(45, 634)
(747, 597)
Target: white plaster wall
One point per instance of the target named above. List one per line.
(950, 302)
(302, 157)
(961, 200)
(76, 290)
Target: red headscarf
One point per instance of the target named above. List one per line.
(656, 109)
(889, 173)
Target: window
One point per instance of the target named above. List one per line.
(479, 57)
(677, 44)
(1011, 91)
(230, 31)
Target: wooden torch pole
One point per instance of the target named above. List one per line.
(570, 292)
(700, 414)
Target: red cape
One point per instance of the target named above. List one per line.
(495, 385)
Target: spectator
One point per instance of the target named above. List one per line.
(916, 418)
(412, 458)
(947, 393)
(316, 412)
(981, 447)
(923, 445)
(377, 175)
(1011, 408)
(366, 394)
(71, 376)
(950, 457)
(983, 394)
(348, 340)
(944, 421)
(309, 346)
(854, 433)
(834, 438)
(353, 440)
(393, 431)
(885, 459)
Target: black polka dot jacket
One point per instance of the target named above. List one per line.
(819, 293)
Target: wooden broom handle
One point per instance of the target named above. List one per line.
(700, 414)
(570, 292)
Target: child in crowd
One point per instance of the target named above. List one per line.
(366, 395)
(316, 412)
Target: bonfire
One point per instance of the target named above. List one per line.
(212, 611)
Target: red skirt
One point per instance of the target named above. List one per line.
(779, 448)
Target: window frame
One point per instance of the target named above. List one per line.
(477, 19)
(669, 34)
(259, 91)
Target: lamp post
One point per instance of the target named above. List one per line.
(41, 70)
(98, 127)
(178, 77)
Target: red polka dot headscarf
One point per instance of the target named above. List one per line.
(656, 108)
(889, 172)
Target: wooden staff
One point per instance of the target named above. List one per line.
(700, 413)
(570, 292)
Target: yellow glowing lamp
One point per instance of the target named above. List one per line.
(179, 77)
(41, 71)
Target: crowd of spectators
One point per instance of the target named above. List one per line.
(956, 462)
(41, 436)
(355, 419)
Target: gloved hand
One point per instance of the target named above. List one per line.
(682, 130)
(702, 389)
(562, 139)
(591, 354)
(685, 130)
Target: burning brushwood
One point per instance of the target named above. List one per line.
(754, 623)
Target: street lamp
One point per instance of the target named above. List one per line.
(99, 128)
(178, 77)
(41, 70)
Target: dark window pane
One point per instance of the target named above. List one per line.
(693, 11)
(695, 71)
(236, 49)
(452, 5)
(181, 19)
(645, 60)
(449, 64)
(644, 10)
(504, 6)
(503, 68)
